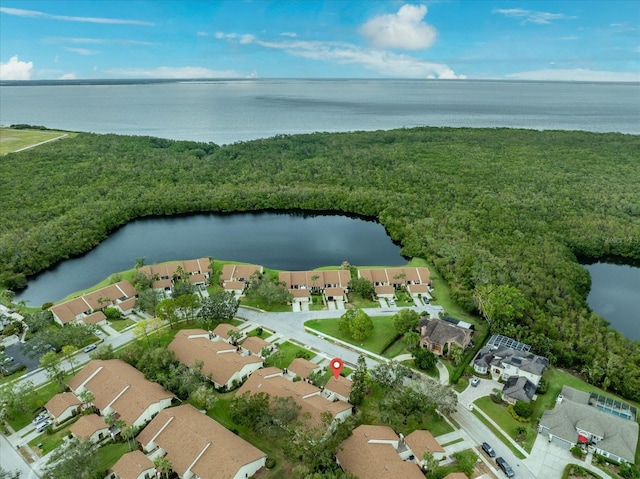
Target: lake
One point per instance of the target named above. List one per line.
(285, 241)
(615, 295)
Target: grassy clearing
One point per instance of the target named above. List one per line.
(50, 441)
(12, 140)
(33, 403)
(221, 413)
(260, 333)
(121, 324)
(109, 454)
(288, 352)
(396, 348)
(499, 413)
(498, 434)
(383, 332)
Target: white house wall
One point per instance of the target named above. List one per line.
(250, 469)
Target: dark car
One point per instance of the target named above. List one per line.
(506, 468)
(488, 449)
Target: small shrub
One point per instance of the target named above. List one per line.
(523, 409)
(296, 379)
(270, 463)
(577, 452)
(302, 354)
(543, 386)
(46, 305)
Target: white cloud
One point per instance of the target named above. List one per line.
(95, 41)
(405, 29)
(14, 69)
(381, 61)
(68, 76)
(202, 34)
(81, 51)
(576, 74)
(36, 14)
(174, 73)
(289, 34)
(531, 16)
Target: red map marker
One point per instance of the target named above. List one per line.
(336, 366)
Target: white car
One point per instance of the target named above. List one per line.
(392, 302)
(43, 425)
(41, 417)
(475, 381)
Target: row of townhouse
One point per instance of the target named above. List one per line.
(89, 307)
(196, 445)
(195, 271)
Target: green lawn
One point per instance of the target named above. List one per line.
(121, 324)
(220, 412)
(109, 454)
(499, 413)
(53, 440)
(289, 351)
(264, 334)
(383, 332)
(12, 140)
(33, 402)
(261, 304)
(498, 434)
(396, 348)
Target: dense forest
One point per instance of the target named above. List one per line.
(503, 214)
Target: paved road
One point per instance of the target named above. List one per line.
(11, 460)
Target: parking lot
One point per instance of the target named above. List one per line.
(17, 352)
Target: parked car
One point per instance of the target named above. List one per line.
(475, 381)
(426, 300)
(41, 417)
(488, 449)
(8, 359)
(392, 302)
(506, 468)
(43, 425)
(90, 348)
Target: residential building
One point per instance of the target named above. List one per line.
(605, 426)
(302, 367)
(438, 336)
(309, 397)
(199, 447)
(133, 465)
(195, 271)
(377, 452)
(518, 388)
(225, 363)
(121, 389)
(88, 307)
(399, 278)
(256, 345)
(504, 357)
(316, 281)
(235, 277)
(63, 406)
(338, 388)
(90, 428)
(421, 441)
(222, 331)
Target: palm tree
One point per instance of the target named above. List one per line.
(163, 466)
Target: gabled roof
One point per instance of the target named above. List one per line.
(61, 402)
(95, 318)
(520, 388)
(254, 344)
(421, 441)
(239, 272)
(339, 385)
(315, 279)
(272, 382)
(369, 453)
(385, 289)
(222, 330)
(193, 441)
(234, 286)
(86, 426)
(334, 291)
(302, 367)
(441, 332)
(619, 436)
(219, 358)
(68, 310)
(132, 465)
(116, 384)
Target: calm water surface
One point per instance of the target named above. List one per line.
(615, 295)
(274, 240)
(229, 111)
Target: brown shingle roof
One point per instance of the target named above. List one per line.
(223, 329)
(254, 344)
(191, 345)
(61, 402)
(421, 441)
(86, 426)
(300, 293)
(369, 460)
(188, 435)
(127, 304)
(302, 367)
(94, 318)
(132, 465)
(68, 310)
(307, 396)
(113, 378)
(234, 286)
(334, 292)
(239, 272)
(440, 332)
(339, 385)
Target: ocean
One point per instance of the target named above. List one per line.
(230, 111)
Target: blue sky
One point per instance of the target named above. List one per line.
(533, 40)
